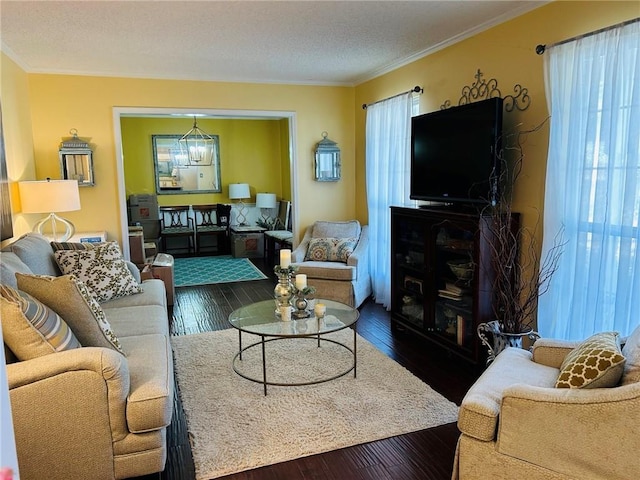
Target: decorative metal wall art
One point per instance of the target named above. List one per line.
(482, 89)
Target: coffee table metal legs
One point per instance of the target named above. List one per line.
(355, 352)
(262, 343)
(264, 361)
(264, 367)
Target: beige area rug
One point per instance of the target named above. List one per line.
(234, 427)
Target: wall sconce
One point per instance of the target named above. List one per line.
(76, 160)
(240, 191)
(49, 196)
(265, 201)
(327, 160)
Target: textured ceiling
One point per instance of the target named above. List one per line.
(303, 42)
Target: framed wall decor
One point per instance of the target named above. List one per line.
(176, 175)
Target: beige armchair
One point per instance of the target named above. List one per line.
(347, 281)
(514, 423)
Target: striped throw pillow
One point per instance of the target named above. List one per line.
(30, 328)
(72, 246)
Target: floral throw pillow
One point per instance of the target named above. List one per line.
(30, 328)
(101, 268)
(71, 299)
(595, 363)
(330, 249)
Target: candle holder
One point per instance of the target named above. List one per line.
(302, 302)
(284, 290)
(320, 310)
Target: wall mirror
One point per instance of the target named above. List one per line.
(327, 159)
(174, 173)
(76, 160)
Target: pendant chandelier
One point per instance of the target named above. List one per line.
(196, 147)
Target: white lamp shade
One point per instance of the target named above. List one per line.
(47, 196)
(266, 200)
(239, 191)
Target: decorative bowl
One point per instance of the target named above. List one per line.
(463, 269)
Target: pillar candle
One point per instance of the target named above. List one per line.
(285, 258)
(320, 309)
(285, 313)
(301, 281)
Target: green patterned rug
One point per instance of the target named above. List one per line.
(190, 271)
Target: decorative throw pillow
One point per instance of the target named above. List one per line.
(631, 352)
(34, 250)
(101, 268)
(330, 249)
(72, 246)
(31, 329)
(71, 299)
(597, 362)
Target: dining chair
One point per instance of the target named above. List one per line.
(208, 224)
(176, 224)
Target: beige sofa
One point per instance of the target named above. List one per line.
(90, 412)
(347, 282)
(514, 423)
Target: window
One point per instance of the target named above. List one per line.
(593, 184)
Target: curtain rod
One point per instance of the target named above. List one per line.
(540, 49)
(416, 89)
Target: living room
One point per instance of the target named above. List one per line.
(38, 109)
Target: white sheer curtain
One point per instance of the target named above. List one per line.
(593, 185)
(388, 137)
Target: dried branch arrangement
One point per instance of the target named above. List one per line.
(520, 275)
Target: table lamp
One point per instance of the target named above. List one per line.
(240, 191)
(42, 196)
(265, 201)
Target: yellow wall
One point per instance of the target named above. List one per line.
(53, 104)
(18, 141)
(506, 53)
(285, 161)
(250, 152)
(62, 102)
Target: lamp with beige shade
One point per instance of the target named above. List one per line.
(51, 196)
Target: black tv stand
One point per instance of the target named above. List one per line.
(438, 205)
(455, 207)
(430, 299)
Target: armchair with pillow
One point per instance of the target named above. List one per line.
(335, 258)
(568, 410)
(89, 362)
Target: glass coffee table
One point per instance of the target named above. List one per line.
(260, 319)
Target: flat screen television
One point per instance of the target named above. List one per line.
(455, 154)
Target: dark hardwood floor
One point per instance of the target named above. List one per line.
(424, 455)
